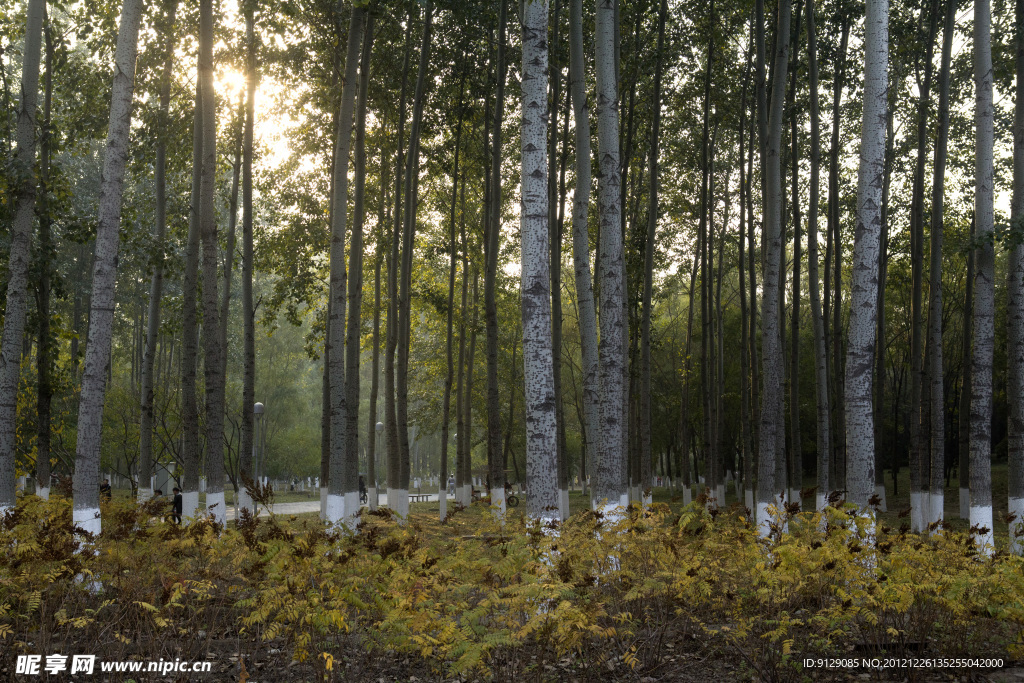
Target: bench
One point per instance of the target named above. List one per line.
(419, 497)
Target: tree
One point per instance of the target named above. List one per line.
(343, 492)
(16, 308)
(864, 285)
(771, 334)
(581, 236)
(935, 373)
(213, 365)
(86, 512)
(610, 489)
(1015, 306)
(821, 397)
(541, 427)
(984, 284)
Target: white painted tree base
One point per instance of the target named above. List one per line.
(215, 506)
(323, 503)
(335, 509)
(244, 503)
(498, 500)
(142, 497)
(981, 516)
(965, 503)
(794, 496)
(371, 498)
(764, 520)
(937, 505)
(916, 511)
(88, 520)
(880, 492)
(687, 495)
(720, 495)
(563, 504)
(648, 500)
(465, 496)
(820, 501)
(352, 508)
(748, 500)
(400, 504)
(1016, 507)
(190, 506)
(442, 500)
(43, 492)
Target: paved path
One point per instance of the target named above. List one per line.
(314, 506)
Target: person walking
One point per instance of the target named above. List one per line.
(176, 506)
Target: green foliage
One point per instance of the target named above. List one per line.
(512, 596)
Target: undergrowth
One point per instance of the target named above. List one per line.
(509, 599)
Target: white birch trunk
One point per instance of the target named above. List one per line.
(19, 255)
(541, 426)
(860, 440)
(984, 285)
(772, 446)
(581, 235)
(86, 484)
(610, 460)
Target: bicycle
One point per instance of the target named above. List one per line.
(511, 501)
(363, 498)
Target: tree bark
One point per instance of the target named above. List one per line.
(964, 416)
(452, 267)
(16, 308)
(245, 465)
(86, 513)
(936, 375)
(581, 237)
(984, 285)
(771, 334)
(401, 506)
(1015, 313)
(390, 413)
(342, 486)
(541, 425)
(44, 358)
(864, 286)
(822, 406)
(610, 467)
(355, 271)
(212, 350)
(652, 225)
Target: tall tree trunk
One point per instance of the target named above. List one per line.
(771, 334)
(229, 254)
(795, 451)
(212, 351)
(705, 267)
(820, 359)
(342, 484)
(863, 299)
(541, 425)
(390, 416)
(355, 277)
(880, 346)
(245, 454)
(1015, 314)
(964, 412)
(611, 462)
(746, 436)
(936, 375)
(452, 267)
(581, 237)
(190, 324)
(379, 256)
(401, 505)
(984, 284)
(86, 513)
(919, 478)
(16, 308)
(467, 462)
(652, 225)
(44, 358)
(496, 473)
(838, 455)
(555, 226)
